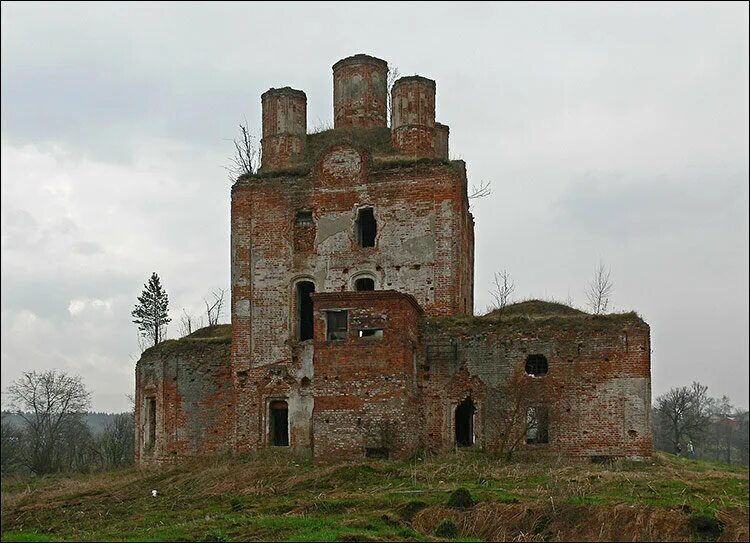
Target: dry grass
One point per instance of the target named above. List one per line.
(272, 497)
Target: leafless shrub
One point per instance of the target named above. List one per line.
(484, 189)
(393, 75)
(247, 155)
(599, 290)
(503, 289)
(214, 308)
(188, 323)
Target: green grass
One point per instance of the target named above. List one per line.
(280, 498)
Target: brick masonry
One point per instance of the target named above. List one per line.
(295, 224)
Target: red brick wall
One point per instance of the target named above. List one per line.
(191, 383)
(597, 389)
(365, 388)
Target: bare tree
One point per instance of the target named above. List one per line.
(519, 416)
(12, 445)
(186, 323)
(504, 288)
(214, 308)
(247, 154)
(51, 404)
(484, 189)
(393, 74)
(599, 290)
(115, 444)
(684, 412)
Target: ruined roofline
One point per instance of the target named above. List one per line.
(304, 170)
(414, 79)
(366, 296)
(209, 335)
(287, 91)
(360, 58)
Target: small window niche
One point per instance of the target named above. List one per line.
(536, 365)
(278, 423)
(304, 218)
(371, 333)
(537, 425)
(150, 433)
(377, 452)
(304, 231)
(367, 227)
(364, 283)
(337, 325)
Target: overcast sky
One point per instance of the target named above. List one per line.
(609, 132)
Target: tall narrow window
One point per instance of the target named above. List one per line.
(465, 423)
(150, 422)
(364, 283)
(305, 310)
(337, 325)
(367, 228)
(279, 423)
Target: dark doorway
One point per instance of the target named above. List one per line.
(305, 310)
(279, 423)
(364, 283)
(367, 228)
(465, 423)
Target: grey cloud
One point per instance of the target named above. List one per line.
(659, 206)
(616, 131)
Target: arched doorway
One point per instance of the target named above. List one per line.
(465, 423)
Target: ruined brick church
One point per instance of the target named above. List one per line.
(353, 334)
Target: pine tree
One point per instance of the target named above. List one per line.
(151, 310)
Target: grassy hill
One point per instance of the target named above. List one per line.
(276, 497)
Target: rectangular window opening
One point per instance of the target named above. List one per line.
(304, 218)
(377, 452)
(367, 227)
(375, 333)
(537, 425)
(337, 325)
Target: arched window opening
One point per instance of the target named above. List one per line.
(536, 365)
(465, 423)
(364, 283)
(305, 310)
(279, 423)
(367, 227)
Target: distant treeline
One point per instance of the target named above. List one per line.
(97, 422)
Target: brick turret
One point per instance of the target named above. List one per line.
(284, 127)
(413, 116)
(360, 92)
